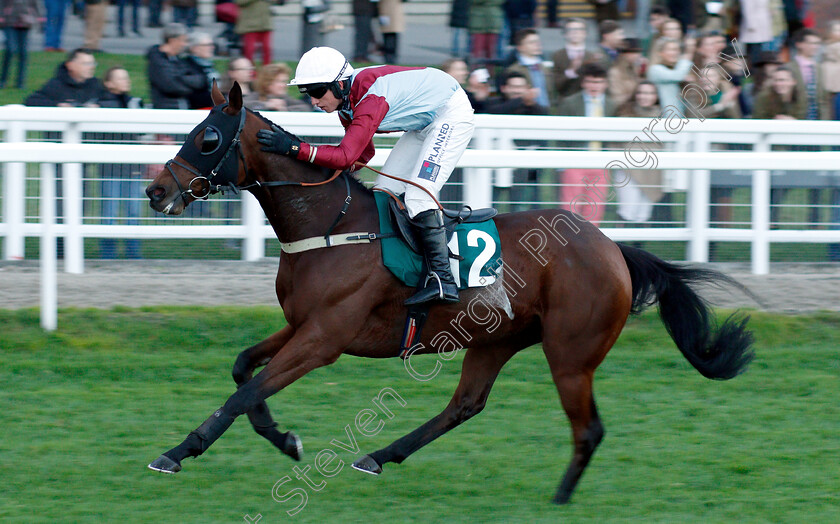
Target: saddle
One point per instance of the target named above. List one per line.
(405, 229)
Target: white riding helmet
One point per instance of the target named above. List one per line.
(321, 65)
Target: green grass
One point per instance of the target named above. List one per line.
(88, 406)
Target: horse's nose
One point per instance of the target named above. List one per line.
(155, 193)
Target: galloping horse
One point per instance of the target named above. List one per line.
(574, 296)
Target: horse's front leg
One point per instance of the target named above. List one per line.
(305, 351)
(260, 416)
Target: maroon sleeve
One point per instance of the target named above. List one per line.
(357, 143)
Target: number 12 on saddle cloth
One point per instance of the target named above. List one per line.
(478, 244)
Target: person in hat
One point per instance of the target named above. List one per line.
(626, 72)
(427, 104)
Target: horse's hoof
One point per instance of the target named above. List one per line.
(293, 447)
(562, 498)
(165, 464)
(367, 465)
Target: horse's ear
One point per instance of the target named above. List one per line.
(235, 98)
(216, 94)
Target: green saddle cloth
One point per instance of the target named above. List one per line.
(478, 243)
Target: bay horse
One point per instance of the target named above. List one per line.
(574, 296)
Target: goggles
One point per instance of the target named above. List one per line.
(315, 90)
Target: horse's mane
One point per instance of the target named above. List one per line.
(327, 171)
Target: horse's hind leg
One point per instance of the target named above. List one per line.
(587, 430)
(260, 416)
(479, 371)
(573, 378)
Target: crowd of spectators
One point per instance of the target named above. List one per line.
(784, 70)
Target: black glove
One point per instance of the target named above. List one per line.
(276, 140)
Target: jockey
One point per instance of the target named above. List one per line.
(427, 104)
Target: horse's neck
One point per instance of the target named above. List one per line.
(297, 212)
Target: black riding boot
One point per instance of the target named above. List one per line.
(439, 283)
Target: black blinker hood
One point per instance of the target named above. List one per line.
(221, 165)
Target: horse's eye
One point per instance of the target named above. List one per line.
(211, 141)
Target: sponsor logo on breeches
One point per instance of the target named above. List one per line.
(431, 164)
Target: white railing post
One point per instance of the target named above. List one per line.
(761, 185)
(14, 198)
(49, 291)
(74, 252)
(253, 219)
(698, 206)
(478, 182)
(504, 175)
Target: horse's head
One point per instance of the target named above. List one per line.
(210, 160)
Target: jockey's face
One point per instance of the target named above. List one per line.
(328, 102)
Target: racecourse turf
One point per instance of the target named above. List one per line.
(88, 406)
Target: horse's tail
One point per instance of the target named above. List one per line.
(717, 351)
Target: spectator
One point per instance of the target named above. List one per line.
(155, 10)
(363, 13)
(605, 10)
(551, 13)
(810, 87)
(584, 190)
(478, 89)
(18, 17)
(626, 72)
(200, 60)
(74, 84)
(590, 101)
(241, 70)
(272, 87)
(135, 17)
(722, 95)
(518, 97)
(54, 26)
(171, 80)
(670, 28)
(833, 32)
(684, 12)
(637, 197)
(96, 12)
(486, 18)
(708, 49)
(254, 25)
(830, 75)
(391, 23)
(185, 12)
(764, 68)
(457, 69)
(670, 70)
(612, 38)
(758, 23)
(122, 184)
(780, 99)
(807, 73)
(658, 16)
(117, 84)
(528, 61)
(226, 13)
(569, 59)
(519, 15)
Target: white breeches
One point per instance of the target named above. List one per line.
(428, 156)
